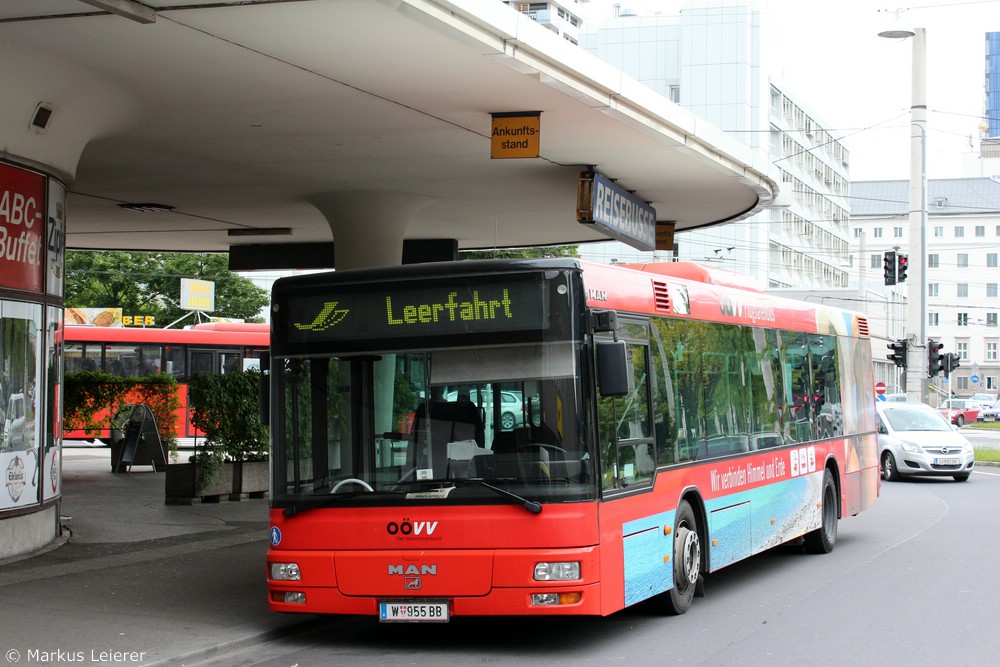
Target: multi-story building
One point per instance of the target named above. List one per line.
(962, 267)
(711, 59)
(562, 18)
(990, 144)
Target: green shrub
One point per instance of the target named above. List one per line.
(225, 409)
(92, 398)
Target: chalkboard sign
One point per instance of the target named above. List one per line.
(140, 442)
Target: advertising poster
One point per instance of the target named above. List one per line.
(56, 243)
(22, 228)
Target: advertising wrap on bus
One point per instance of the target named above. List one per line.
(551, 437)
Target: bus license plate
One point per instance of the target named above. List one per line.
(413, 611)
(947, 462)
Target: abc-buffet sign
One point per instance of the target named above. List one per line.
(23, 229)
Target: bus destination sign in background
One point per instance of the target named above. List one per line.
(402, 311)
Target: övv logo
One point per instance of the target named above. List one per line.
(408, 528)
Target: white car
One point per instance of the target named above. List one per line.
(915, 439)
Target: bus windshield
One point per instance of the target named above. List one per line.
(452, 424)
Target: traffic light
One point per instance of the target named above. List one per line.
(935, 360)
(951, 362)
(889, 267)
(898, 355)
(902, 264)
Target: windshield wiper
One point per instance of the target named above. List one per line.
(312, 504)
(532, 506)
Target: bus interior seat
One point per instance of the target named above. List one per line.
(436, 424)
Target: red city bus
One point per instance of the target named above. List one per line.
(668, 427)
(216, 347)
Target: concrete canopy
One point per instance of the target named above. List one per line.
(241, 115)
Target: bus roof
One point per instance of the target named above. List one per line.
(253, 335)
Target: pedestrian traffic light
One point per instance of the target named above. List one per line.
(935, 360)
(889, 267)
(951, 362)
(898, 355)
(902, 264)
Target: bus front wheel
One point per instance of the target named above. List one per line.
(687, 558)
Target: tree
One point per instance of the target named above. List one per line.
(149, 283)
(523, 253)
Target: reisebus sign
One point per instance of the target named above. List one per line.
(22, 228)
(615, 212)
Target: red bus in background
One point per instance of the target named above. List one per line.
(217, 347)
(673, 422)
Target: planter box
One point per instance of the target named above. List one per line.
(185, 483)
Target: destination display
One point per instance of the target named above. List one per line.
(364, 312)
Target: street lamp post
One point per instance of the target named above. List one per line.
(916, 311)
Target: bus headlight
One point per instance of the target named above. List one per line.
(285, 572)
(568, 571)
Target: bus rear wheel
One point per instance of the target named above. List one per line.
(823, 539)
(687, 557)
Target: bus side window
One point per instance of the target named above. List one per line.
(624, 425)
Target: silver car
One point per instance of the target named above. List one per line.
(915, 439)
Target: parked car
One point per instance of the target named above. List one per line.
(991, 413)
(896, 398)
(984, 400)
(960, 411)
(915, 439)
(12, 436)
(512, 408)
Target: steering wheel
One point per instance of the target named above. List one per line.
(351, 480)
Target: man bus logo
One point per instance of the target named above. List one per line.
(328, 318)
(412, 570)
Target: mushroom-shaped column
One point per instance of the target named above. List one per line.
(368, 225)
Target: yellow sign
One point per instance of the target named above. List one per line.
(516, 134)
(664, 235)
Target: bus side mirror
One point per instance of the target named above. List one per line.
(612, 368)
(264, 389)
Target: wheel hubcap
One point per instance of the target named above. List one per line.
(690, 555)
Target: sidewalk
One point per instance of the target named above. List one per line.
(157, 584)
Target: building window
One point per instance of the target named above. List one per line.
(963, 319)
(963, 382)
(991, 320)
(876, 261)
(897, 232)
(858, 232)
(959, 231)
(991, 290)
(933, 319)
(963, 350)
(991, 260)
(939, 231)
(963, 290)
(963, 260)
(933, 289)
(675, 94)
(991, 383)
(933, 262)
(980, 230)
(991, 350)
(878, 232)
